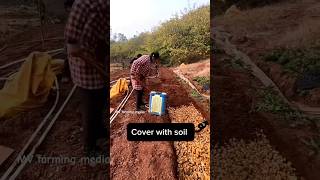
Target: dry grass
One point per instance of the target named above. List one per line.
(193, 156)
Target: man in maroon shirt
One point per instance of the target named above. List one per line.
(140, 70)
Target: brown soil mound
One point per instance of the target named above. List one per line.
(198, 69)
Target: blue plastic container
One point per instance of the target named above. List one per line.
(157, 103)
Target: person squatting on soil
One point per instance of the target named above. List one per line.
(86, 35)
(140, 70)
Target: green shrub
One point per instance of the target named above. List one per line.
(271, 102)
(195, 94)
(296, 61)
(202, 80)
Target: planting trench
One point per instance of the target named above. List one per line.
(230, 49)
(148, 160)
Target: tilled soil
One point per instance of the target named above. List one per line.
(234, 93)
(139, 160)
(256, 159)
(65, 140)
(145, 160)
(169, 83)
(193, 156)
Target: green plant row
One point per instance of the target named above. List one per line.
(296, 61)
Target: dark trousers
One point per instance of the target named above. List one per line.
(139, 99)
(93, 108)
(66, 69)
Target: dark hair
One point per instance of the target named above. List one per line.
(138, 56)
(133, 60)
(68, 3)
(154, 55)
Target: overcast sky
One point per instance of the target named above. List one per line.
(131, 17)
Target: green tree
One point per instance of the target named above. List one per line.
(184, 38)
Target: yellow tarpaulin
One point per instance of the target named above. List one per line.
(120, 87)
(30, 86)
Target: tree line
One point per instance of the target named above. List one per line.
(185, 38)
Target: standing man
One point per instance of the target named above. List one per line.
(86, 35)
(140, 70)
